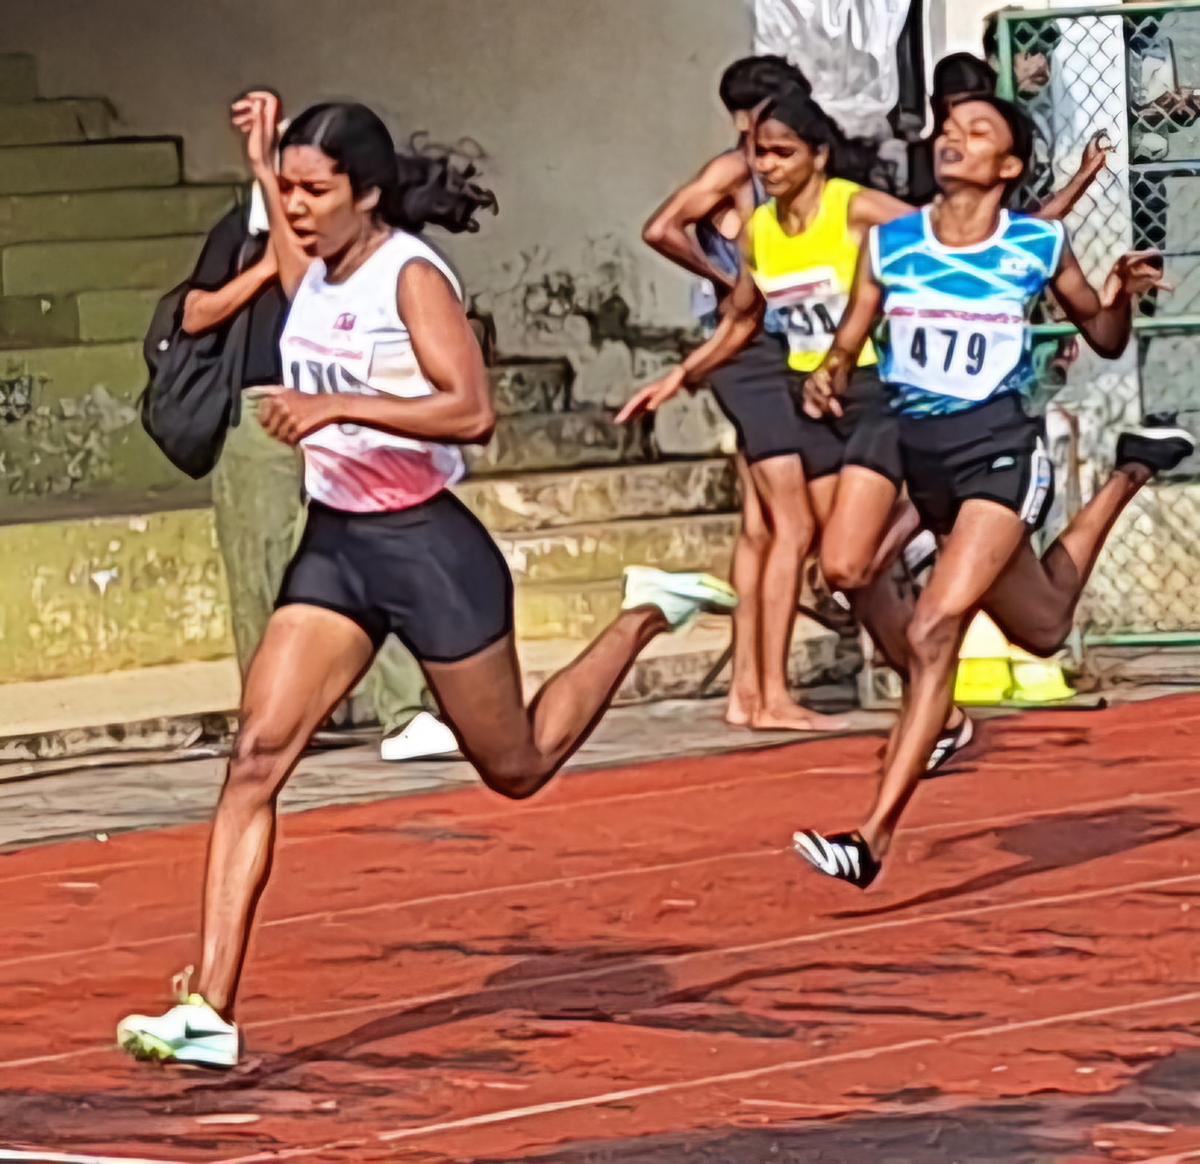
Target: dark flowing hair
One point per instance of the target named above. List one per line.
(750, 81)
(851, 158)
(416, 190)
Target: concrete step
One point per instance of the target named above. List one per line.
(522, 386)
(108, 165)
(583, 438)
(544, 500)
(50, 268)
(100, 594)
(674, 666)
(145, 588)
(71, 426)
(170, 705)
(113, 214)
(566, 610)
(578, 554)
(178, 705)
(18, 77)
(72, 370)
(54, 122)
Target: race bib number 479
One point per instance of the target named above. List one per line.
(966, 355)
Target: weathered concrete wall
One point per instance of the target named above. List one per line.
(587, 113)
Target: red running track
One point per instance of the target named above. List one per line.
(633, 968)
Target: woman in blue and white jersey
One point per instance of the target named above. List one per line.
(954, 286)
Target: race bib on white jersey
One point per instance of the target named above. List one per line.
(812, 304)
(948, 352)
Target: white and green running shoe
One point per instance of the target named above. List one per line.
(191, 1032)
(681, 597)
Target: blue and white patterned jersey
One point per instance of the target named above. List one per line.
(955, 330)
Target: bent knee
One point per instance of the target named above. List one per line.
(259, 759)
(1042, 640)
(844, 572)
(933, 634)
(514, 777)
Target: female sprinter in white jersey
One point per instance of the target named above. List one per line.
(384, 382)
(954, 285)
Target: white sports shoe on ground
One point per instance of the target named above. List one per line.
(423, 737)
(681, 597)
(191, 1032)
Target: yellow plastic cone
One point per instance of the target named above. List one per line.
(1037, 680)
(985, 672)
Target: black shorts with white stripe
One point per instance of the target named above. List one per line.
(994, 452)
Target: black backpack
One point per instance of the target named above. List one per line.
(195, 382)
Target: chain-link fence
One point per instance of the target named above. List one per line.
(1133, 72)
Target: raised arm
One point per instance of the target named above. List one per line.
(1105, 320)
(670, 230)
(459, 411)
(257, 116)
(823, 388)
(1095, 158)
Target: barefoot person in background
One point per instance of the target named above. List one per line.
(699, 227)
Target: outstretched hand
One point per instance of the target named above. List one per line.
(652, 397)
(1133, 275)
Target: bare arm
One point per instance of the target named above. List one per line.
(738, 326)
(1062, 202)
(670, 229)
(459, 411)
(828, 382)
(257, 115)
(1105, 320)
(204, 310)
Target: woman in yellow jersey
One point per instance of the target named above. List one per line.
(801, 250)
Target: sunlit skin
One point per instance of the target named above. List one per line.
(784, 162)
(975, 149)
(322, 210)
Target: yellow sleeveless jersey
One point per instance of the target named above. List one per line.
(808, 276)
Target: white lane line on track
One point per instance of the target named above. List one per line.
(659, 960)
(511, 1115)
(583, 878)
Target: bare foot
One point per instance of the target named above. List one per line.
(797, 719)
(740, 712)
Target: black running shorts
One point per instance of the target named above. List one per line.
(865, 435)
(752, 390)
(431, 575)
(993, 453)
(761, 396)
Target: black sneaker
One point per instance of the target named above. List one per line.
(1160, 444)
(842, 855)
(949, 744)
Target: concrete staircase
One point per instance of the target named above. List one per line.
(114, 582)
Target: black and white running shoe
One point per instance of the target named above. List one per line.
(842, 855)
(949, 744)
(1160, 444)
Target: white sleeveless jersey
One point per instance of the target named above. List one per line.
(349, 337)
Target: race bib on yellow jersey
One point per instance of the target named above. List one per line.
(950, 352)
(811, 302)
